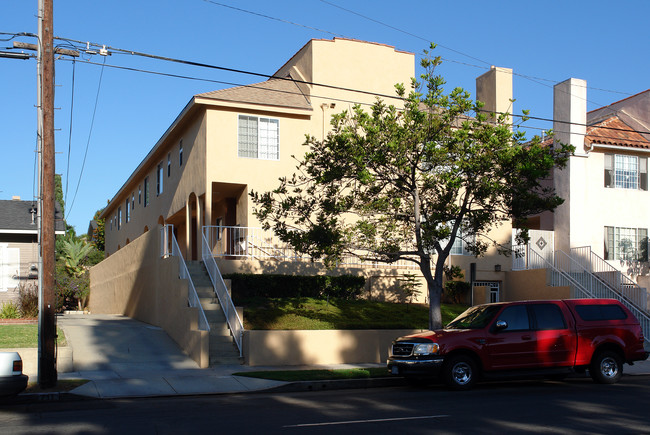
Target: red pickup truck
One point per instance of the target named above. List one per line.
(529, 338)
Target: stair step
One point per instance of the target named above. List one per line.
(223, 350)
(230, 360)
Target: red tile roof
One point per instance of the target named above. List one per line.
(613, 131)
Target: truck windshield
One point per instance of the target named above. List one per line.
(475, 317)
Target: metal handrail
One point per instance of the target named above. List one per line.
(556, 276)
(612, 277)
(232, 317)
(167, 234)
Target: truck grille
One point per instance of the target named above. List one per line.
(402, 349)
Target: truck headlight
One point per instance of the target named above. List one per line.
(425, 349)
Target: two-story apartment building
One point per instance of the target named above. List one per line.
(228, 142)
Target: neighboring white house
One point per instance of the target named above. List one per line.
(19, 245)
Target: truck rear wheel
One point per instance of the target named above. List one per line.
(606, 368)
(459, 372)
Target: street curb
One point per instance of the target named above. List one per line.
(300, 386)
(339, 384)
(55, 396)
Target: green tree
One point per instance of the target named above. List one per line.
(403, 183)
(74, 253)
(98, 233)
(58, 192)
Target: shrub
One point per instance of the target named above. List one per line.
(245, 286)
(28, 300)
(71, 291)
(9, 311)
(456, 292)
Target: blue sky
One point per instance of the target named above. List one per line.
(545, 42)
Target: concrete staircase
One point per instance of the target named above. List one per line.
(223, 350)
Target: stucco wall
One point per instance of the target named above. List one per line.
(319, 347)
(525, 285)
(137, 282)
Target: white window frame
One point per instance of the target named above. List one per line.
(614, 239)
(626, 171)
(258, 141)
(146, 191)
(159, 179)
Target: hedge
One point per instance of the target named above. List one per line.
(246, 286)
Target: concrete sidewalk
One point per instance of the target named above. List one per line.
(122, 357)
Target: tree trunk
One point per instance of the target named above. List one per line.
(435, 314)
(434, 288)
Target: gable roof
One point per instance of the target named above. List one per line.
(16, 217)
(613, 131)
(273, 92)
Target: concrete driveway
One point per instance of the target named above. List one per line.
(120, 344)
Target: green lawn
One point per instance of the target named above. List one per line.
(14, 336)
(309, 313)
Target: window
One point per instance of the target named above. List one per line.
(169, 164)
(180, 153)
(548, 317)
(600, 312)
(146, 191)
(119, 217)
(159, 179)
(127, 208)
(139, 194)
(630, 244)
(517, 318)
(460, 244)
(258, 138)
(132, 201)
(626, 172)
(459, 247)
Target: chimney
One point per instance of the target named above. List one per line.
(15, 198)
(570, 113)
(494, 88)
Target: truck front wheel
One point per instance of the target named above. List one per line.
(606, 368)
(459, 372)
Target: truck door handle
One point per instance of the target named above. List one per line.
(526, 337)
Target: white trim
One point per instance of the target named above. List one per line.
(620, 148)
(26, 232)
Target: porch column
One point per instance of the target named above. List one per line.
(188, 229)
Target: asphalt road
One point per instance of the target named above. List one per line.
(574, 406)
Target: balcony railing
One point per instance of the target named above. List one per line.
(247, 243)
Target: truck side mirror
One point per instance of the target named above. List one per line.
(501, 325)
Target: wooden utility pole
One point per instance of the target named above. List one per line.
(47, 375)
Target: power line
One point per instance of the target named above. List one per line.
(527, 77)
(67, 171)
(254, 86)
(92, 123)
(227, 69)
(272, 18)
(268, 76)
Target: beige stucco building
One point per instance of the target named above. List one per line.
(227, 143)
(195, 183)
